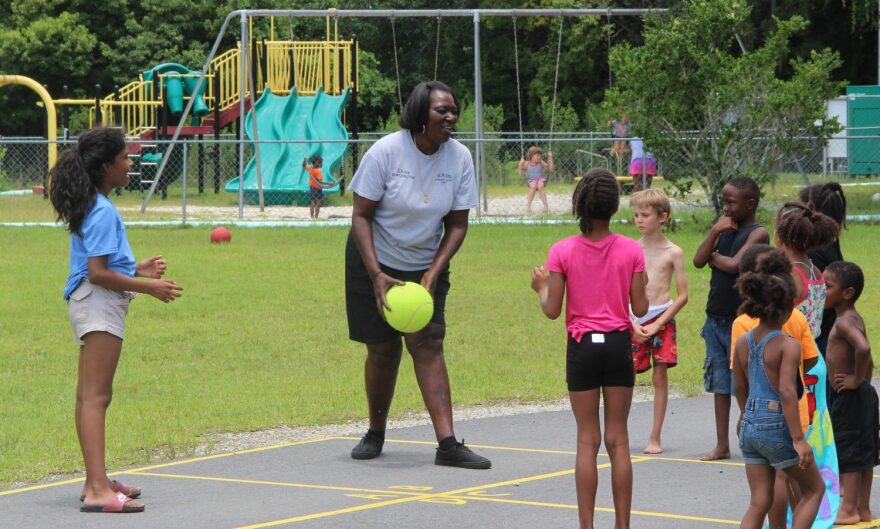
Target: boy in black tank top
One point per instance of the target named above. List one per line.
(722, 250)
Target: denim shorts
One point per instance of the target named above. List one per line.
(765, 440)
(717, 375)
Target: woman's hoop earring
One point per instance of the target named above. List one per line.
(423, 129)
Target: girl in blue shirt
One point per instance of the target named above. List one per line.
(99, 288)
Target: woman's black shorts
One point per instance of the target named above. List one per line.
(599, 359)
(365, 324)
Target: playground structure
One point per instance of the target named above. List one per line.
(148, 108)
(245, 15)
(285, 180)
(227, 86)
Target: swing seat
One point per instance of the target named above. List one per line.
(624, 179)
(629, 179)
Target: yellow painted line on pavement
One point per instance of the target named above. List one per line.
(165, 465)
(228, 454)
(599, 509)
(873, 524)
(281, 484)
(398, 501)
(438, 497)
(46, 485)
(486, 447)
(686, 460)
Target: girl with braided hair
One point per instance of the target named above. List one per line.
(768, 386)
(799, 229)
(827, 198)
(99, 289)
(600, 274)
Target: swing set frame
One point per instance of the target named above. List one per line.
(475, 14)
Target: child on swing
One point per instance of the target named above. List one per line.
(535, 170)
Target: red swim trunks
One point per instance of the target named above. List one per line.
(662, 347)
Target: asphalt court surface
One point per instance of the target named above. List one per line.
(315, 483)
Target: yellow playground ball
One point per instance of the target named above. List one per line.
(411, 307)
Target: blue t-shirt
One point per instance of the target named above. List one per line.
(103, 233)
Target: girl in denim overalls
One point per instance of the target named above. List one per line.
(768, 383)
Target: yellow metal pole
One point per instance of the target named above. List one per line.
(50, 109)
(336, 58)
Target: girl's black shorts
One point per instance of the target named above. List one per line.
(365, 324)
(599, 359)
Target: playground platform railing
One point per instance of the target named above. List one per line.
(192, 187)
(136, 107)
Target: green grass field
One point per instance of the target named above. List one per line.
(259, 338)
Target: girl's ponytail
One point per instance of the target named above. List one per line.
(827, 198)
(79, 171)
(767, 288)
(801, 227)
(71, 191)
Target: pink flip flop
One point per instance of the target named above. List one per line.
(118, 486)
(119, 504)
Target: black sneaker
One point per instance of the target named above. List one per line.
(369, 447)
(460, 456)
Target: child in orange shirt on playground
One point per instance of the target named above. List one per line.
(653, 335)
(316, 184)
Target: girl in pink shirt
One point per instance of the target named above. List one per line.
(601, 274)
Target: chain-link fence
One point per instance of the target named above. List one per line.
(201, 180)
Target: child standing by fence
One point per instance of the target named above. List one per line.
(722, 250)
(768, 386)
(599, 353)
(654, 334)
(98, 292)
(316, 184)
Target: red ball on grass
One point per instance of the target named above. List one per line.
(221, 234)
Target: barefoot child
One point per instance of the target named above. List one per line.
(768, 385)
(599, 354)
(853, 402)
(654, 333)
(722, 250)
(99, 289)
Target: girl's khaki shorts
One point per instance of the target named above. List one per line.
(93, 308)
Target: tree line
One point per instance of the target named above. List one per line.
(82, 43)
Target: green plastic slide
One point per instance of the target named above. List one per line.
(180, 81)
(293, 117)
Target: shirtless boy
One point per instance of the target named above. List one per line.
(653, 336)
(854, 408)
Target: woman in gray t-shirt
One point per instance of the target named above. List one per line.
(412, 194)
